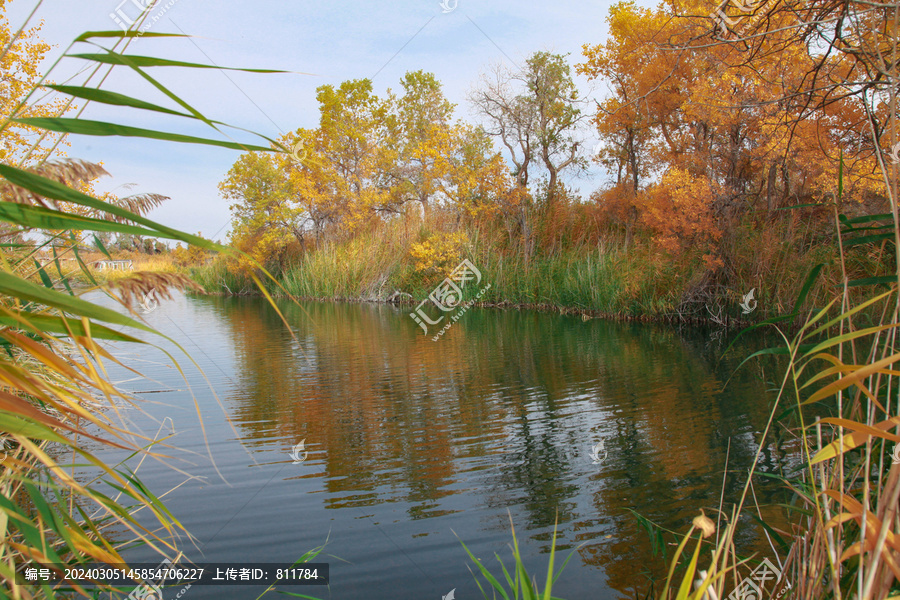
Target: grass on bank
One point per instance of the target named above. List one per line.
(599, 276)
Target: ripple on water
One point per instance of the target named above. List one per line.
(415, 445)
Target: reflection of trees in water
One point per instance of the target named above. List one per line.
(404, 418)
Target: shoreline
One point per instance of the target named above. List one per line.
(586, 314)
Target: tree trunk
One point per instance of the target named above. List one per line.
(770, 189)
(630, 221)
(551, 191)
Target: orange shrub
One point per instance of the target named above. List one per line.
(678, 210)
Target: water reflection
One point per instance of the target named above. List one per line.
(409, 438)
(500, 413)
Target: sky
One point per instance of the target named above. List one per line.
(317, 42)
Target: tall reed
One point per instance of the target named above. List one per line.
(845, 541)
(54, 390)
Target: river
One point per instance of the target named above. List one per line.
(412, 446)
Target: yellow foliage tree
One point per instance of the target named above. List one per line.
(265, 221)
(693, 110)
(440, 253)
(678, 210)
(368, 159)
(19, 62)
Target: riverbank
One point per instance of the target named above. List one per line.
(763, 278)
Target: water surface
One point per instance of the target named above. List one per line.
(414, 444)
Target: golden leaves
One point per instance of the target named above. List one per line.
(679, 211)
(439, 253)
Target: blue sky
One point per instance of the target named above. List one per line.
(320, 43)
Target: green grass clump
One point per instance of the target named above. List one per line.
(518, 584)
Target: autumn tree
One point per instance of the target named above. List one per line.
(336, 174)
(439, 160)
(367, 160)
(355, 148)
(308, 181)
(678, 113)
(831, 90)
(421, 126)
(557, 115)
(19, 74)
(479, 181)
(36, 148)
(265, 222)
(625, 121)
(826, 78)
(535, 114)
